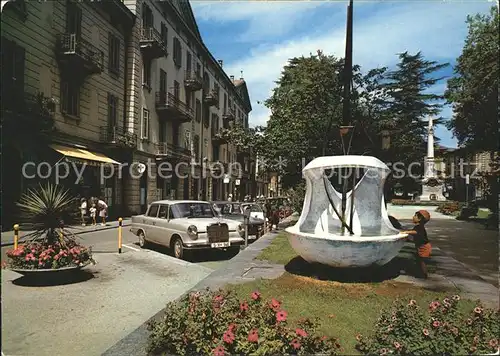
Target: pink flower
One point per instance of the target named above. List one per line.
(244, 306)
(358, 337)
(281, 315)
(255, 295)
(300, 332)
(493, 343)
(436, 324)
(228, 337)
(219, 351)
(397, 345)
(456, 297)
(218, 298)
(231, 327)
(384, 351)
(425, 332)
(275, 305)
(295, 344)
(434, 305)
(478, 310)
(253, 336)
(469, 321)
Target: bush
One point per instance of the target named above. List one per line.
(296, 196)
(450, 208)
(220, 324)
(406, 329)
(413, 202)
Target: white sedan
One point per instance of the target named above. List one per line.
(186, 225)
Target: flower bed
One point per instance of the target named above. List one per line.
(450, 208)
(221, 324)
(39, 256)
(413, 202)
(445, 329)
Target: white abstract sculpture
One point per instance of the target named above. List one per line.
(317, 236)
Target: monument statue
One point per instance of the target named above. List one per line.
(432, 185)
(361, 237)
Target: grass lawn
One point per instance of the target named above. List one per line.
(343, 309)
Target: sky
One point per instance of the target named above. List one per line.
(258, 37)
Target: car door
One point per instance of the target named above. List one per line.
(163, 230)
(152, 222)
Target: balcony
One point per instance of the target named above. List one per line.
(227, 117)
(118, 11)
(78, 55)
(168, 150)
(218, 167)
(118, 136)
(169, 107)
(152, 44)
(217, 137)
(193, 81)
(211, 98)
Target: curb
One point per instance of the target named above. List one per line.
(11, 243)
(136, 342)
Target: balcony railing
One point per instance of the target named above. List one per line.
(211, 98)
(193, 80)
(171, 107)
(79, 54)
(227, 117)
(118, 136)
(172, 151)
(152, 44)
(217, 137)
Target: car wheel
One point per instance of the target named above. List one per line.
(142, 239)
(177, 248)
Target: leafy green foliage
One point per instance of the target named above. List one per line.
(445, 329)
(221, 324)
(296, 196)
(473, 91)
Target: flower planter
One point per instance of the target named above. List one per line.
(48, 271)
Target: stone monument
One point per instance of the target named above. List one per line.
(432, 185)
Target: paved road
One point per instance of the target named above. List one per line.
(110, 300)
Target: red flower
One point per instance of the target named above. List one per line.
(493, 343)
(275, 305)
(436, 324)
(244, 306)
(295, 344)
(232, 327)
(256, 295)
(300, 332)
(253, 336)
(218, 298)
(281, 315)
(228, 337)
(219, 351)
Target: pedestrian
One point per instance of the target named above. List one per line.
(230, 198)
(103, 211)
(419, 236)
(83, 210)
(93, 214)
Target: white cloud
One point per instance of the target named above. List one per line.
(438, 29)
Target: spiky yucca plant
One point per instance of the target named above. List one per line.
(46, 209)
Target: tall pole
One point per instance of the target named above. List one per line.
(347, 74)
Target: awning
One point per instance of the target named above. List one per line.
(79, 155)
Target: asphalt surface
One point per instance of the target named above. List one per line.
(104, 304)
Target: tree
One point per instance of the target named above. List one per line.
(473, 92)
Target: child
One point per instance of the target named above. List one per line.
(419, 237)
(93, 213)
(103, 211)
(83, 210)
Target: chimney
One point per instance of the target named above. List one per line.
(241, 78)
(232, 78)
(221, 62)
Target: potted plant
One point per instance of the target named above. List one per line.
(50, 246)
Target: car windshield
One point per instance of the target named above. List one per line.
(254, 208)
(229, 208)
(193, 210)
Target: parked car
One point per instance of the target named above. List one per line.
(235, 211)
(187, 225)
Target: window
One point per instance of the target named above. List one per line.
(163, 212)
(164, 34)
(163, 81)
(188, 61)
(177, 52)
(196, 144)
(12, 72)
(73, 19)
(114, 54)
(198, 110)
(145, 124)
(189, 101)
(198, 68)
(147, 16)
(153, 210)
(215, 123)
(146, 75)
(70, 98)
(112, 110)
(177, 89)
(225, 102)
(217, 91)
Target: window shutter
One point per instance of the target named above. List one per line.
(78, 16)
(64, 96)
(110, 54)
(117, 53)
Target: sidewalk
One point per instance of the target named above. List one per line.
(8, 236)
(451, 276)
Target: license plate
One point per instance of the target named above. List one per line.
(220, 244)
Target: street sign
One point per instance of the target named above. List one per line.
(467, 179)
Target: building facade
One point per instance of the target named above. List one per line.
(72, 54)
(128, 84)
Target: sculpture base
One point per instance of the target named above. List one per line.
(432, 193)
(346, 251)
